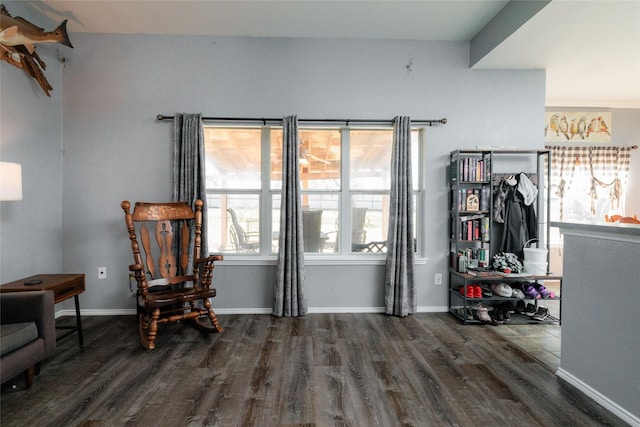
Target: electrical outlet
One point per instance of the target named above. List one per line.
(438, 279)
(102, 272)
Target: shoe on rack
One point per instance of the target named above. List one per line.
(483, 315)
(508, 307)
(502, 289)
(541, 314)
(541, 290)
(544, 293)
(530, 310)
(498, 315)
(462, 313)
(477, 291)
(530, 291)
(486, 291)
(468, 289)
(520, 307)
(517, 293)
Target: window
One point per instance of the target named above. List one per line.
(345, 180)
(587, 183)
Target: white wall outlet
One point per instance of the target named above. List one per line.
(102, 272)
(438, 279)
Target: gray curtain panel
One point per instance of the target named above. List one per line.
(289, 295)
(399, 287)
(189, 178)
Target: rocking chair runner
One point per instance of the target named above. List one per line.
(165, 293)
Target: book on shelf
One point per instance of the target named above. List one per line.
(470, 169)
(485, 198)
(472, 217)
(474, 228)
(485, 229)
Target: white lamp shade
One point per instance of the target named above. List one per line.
(10, 181)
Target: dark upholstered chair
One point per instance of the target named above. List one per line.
(28, 333)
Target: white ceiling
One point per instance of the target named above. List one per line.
(590, 49)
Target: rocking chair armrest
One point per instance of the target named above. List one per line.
(210, 258)
(136, 267)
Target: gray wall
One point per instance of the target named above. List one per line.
(31, 134)
(103, 115)
(114, 85)
(600, 335)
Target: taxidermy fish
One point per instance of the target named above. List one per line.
(17, 36)
(19, 31)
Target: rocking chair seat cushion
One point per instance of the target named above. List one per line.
(169, 297)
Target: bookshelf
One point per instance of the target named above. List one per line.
(475, 236)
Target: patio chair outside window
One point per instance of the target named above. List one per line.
(241, 240)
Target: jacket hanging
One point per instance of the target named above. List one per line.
(520, 224)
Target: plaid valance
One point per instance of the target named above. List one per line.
(608, 168)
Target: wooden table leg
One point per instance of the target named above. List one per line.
(78, 320)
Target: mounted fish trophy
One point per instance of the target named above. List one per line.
(17, 39)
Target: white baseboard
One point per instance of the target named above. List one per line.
(601, 399)
(433, 309)
(98, 312)
(258, 310)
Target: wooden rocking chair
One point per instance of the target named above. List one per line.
(168, 292)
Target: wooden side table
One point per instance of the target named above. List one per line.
(64, 286)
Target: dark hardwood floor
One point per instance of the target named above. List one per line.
(321, 370)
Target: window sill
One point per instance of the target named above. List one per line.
(314, 260)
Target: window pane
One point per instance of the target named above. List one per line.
(233, 157)
(369, 222)
(370, 159)
(415, 160)
(319, 159)
(233, 223)
(577, 202)
(319, 220)
(275, 222)
(276, 159)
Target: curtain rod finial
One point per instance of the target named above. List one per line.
(160, 117)
(443, 120)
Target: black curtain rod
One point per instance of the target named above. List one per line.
(264, 121)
